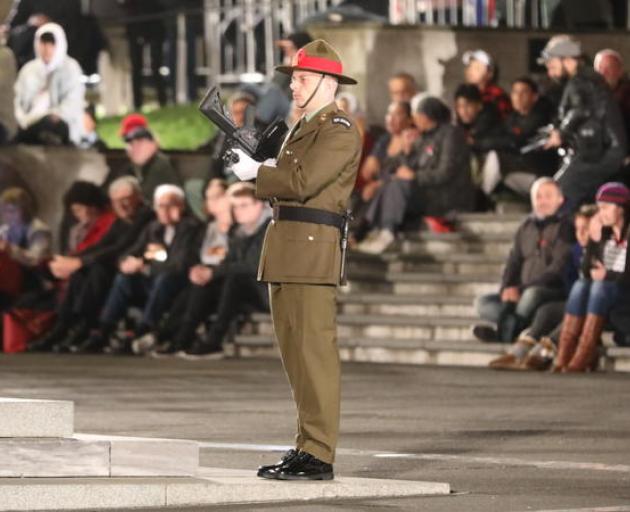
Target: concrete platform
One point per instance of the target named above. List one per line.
(214, 487)
(36, 418)
(97, 456)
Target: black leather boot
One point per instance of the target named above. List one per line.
(305, 467)
(271, 471)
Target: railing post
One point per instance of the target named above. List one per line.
(181, 72)
(212, 36)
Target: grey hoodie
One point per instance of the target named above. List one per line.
(61, 77)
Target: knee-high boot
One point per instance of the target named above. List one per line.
(569, 336)
(586, 353)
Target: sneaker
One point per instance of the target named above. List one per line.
(144, 344)
(379, 243)
(201, 351)
(485, 333)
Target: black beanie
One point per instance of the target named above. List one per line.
(85, 193)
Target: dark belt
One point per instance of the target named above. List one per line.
(311, 215)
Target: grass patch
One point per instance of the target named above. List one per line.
(180, 127)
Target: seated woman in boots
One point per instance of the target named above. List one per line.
(535, 347)
(605, 274)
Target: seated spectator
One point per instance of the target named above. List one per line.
(25, 243)
(556, 80)
(535, 268)
(535, 347)
(90, 138)
(151, 272)
(32, 313)
(609, 64)
(589, 124)
(90, 274)
(604, 278)
(8, 125)
(480, 121)
(530, 114)
(432, 180)
(481, 72)
(177, 332)
(381, 164)
(232, 288)
(49, 92)
(147, 163)
(89, 206)
(402, 87)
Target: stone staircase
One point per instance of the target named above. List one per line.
(414, 303)
(46, 466)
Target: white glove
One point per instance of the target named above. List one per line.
(246, 168)
(270, 162)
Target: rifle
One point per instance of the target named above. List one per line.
(259, 145)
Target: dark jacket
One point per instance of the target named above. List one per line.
(243, 252)
(589, 118)
(541, 251)
(120, 237)
(157, 171)
(484, 129)
(181, 252)
(595, 252)
(520, 130)
(441, 159)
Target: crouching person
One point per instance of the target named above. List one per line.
(228, 290)
(604, 276)
(151, 272)
(535, 268)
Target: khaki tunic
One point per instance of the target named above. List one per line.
(316, 168)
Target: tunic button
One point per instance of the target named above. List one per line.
(311, 238)
(295, 160)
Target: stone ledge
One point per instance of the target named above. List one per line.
(36, 418)
(214, 487)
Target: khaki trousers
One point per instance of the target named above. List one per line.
(305, 323)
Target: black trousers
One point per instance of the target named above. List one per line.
(46, 131)
(87, 291)
(228, 297)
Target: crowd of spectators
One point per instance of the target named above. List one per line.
(187, 271)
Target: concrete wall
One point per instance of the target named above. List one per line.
(433, 55)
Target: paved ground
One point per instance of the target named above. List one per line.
(504, 441)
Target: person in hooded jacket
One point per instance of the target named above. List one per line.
(49, 93)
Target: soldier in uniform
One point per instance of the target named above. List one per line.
(309, 186)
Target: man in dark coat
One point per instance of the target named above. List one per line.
(535, 268)
(589, 124)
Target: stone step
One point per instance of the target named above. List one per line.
(387, 351)
(419, 352)
(483, 224)
(465, 264)
(97, 456)
(412, 283)
(214, 486)
(616, 359)
(36, 418)
(393, 327)
(454, 243)
(419, 306)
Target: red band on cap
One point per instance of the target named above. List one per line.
(318, 63)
